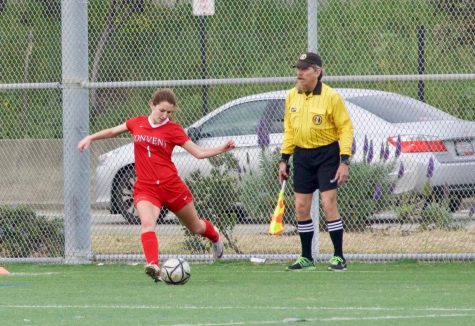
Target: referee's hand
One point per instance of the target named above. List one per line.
(342, 174)
(284, 171)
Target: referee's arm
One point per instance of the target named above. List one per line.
(344, 126)
(288, 145)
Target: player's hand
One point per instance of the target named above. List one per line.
(84, 143)
(284, 171)
(229, 145)
(342, 174)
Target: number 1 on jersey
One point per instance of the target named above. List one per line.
(148, 151)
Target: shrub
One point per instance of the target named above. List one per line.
(366, 193)
(25, 234)
(426, 206)
(260, 191)
(214, 198)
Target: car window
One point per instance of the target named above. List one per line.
(244, 119)
(273, 117)
(398, 109)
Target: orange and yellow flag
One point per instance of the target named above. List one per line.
(276, 226)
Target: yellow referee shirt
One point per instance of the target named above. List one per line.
(317, 119)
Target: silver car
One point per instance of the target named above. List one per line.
(387, 126)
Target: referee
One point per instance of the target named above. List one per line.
(318, 133)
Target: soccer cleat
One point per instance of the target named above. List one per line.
(337, 264)
(302, 264)
(218, 250)
(218, 247)
(153, 271)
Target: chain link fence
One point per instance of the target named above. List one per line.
(405, 68)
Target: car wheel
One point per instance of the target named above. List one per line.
(240, 213)
(123, 197)
(455, 202)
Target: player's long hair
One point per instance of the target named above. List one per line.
(166, 95)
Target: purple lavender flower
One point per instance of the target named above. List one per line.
(430, 168)
(370, 152)
(386, 152)
(353, 147)
(400, 173)
(471, 212)
(392, 187)
(263, 133)
(398, 147)
(378, 191)
(365, 146)
(381, 151)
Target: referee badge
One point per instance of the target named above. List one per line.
(293, 109)
(317, 119)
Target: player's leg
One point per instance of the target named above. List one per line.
(335, 228)
(148, 214)
(188, 216)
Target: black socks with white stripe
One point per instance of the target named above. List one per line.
(335, 228)
(306, 230)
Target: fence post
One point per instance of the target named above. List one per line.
(312, 45)
(312, 28)
(421, 61)
(77, 214)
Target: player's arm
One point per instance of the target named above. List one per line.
(103, 134)
(205, 152)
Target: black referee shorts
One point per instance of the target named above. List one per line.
(315, 168)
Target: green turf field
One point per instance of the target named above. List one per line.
(236, 293)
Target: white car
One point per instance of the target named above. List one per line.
(416, 133)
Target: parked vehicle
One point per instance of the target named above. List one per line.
(414, 132)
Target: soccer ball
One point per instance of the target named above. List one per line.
(175, 271)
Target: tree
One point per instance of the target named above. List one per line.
(3, 4)
(119, 12)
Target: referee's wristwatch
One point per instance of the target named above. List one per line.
(345, 159)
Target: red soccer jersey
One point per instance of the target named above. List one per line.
(153, 147)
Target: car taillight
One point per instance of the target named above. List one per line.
(418, 145)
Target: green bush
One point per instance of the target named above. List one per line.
(25, 234)
(214, 198)
(260, 191)
(366, 193)
(426, 208)
(439, 215)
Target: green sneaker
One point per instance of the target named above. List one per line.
(337, 264)
(301, 264)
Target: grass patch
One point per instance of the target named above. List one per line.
(239, 293)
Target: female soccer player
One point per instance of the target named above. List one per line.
(157, 181)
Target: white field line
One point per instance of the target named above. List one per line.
(330, 319)
(20, 274)
(33, 274)
(457, 312)
(192, 307)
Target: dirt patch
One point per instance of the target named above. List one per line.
(369, 242)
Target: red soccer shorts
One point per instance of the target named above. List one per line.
(173, 194)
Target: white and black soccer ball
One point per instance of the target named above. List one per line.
(175, 271)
